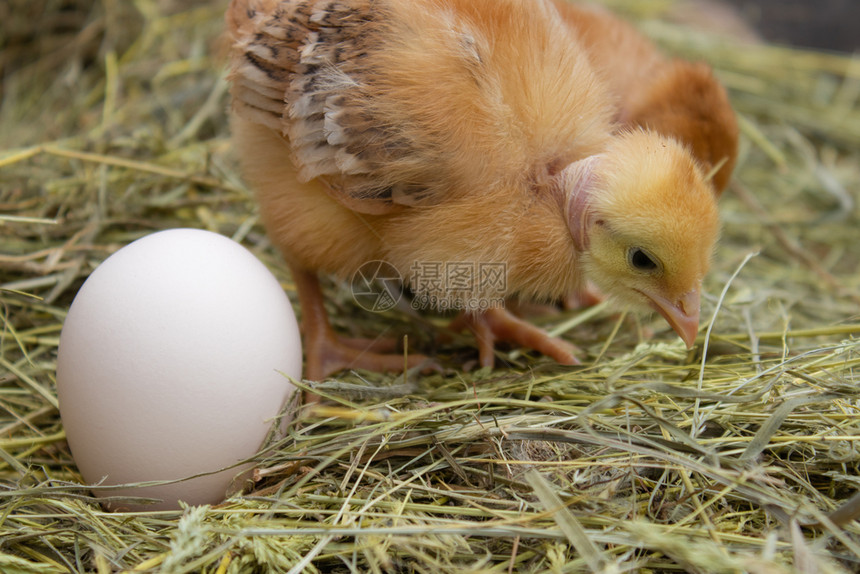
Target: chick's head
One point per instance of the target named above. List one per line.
(646, 223)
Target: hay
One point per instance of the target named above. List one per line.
(647, 458)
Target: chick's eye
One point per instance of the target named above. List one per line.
(640, 260)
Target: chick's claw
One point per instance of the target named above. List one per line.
(329, 354)
(378, 345)
(498, 324)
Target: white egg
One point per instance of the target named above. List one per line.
(173, 361)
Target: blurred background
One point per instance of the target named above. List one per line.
(822, 24)
(828, 25)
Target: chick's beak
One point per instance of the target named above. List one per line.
(682, 315)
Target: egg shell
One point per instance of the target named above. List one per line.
(173, 361)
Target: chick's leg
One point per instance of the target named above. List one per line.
(500, 325)
(327, 353)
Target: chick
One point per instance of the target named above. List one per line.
(674, 97)
(439, 131)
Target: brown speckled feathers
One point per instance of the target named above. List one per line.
(297, 68)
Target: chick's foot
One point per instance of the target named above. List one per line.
(500, 325)
(327, 353)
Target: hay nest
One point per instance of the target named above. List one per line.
(739, 457)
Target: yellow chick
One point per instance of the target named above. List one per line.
(474, 132)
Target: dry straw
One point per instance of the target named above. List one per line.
(647, 458)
